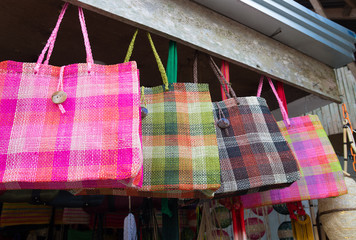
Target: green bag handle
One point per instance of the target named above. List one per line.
(169, 207)
(172, 66)
(172, 62)
(158, 60)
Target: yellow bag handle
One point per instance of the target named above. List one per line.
(158, 60)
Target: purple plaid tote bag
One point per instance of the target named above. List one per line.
(321, 173)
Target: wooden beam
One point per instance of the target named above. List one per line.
(198, 27)
(338, 14)
(347, 10)
(352, 68)
(301, 106)
(318, 8)
(351, 3)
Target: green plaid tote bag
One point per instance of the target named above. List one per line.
(180, 149)
(179, 138)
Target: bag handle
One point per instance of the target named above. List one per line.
(172, 62)
(280, 103)
(158, 60)
(282, 95)
(225, 71)
(51, 41)
(226, 86)
(224, 83)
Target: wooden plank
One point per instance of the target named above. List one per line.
(331, 116)
(338, 14)
(335, 119)
(351, 3)
(339, 77)
(345, 82)
(318, 8)
(302, 106)
(352, 67)
(198, 27)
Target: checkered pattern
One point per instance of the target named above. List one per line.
(321, 171)
(95, 143)
(254, 156)
(179, 139)
(180, 152)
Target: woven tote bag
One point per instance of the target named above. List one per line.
(69, 127)
(180, 153)
(254, 156)
(180, 150)
(75, 216)
(27, 214)
(321, 173)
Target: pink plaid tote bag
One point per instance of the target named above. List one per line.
(75, 126)
(321, 173)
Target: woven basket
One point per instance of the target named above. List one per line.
(255, 228)
(285, 231)
(338, 215)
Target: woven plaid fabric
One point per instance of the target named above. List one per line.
(321, 171)
(254, 156)
(92, 139)
(96, 143)
(24, 214)
(180, 153)
(75, 216)
(179, 139)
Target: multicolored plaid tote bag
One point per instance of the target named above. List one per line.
(179, 139)
(321, 173)
(69, 127)
(254, 156)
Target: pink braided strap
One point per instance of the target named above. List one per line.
(51, 40)
(50, 43)
(280, 103)
(90, 59)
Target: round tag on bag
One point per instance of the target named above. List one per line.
(144, 112)
(59, 97)
(223, 123)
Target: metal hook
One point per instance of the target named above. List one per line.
(129, 204)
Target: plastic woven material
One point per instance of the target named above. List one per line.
(180, 152)
(179, 139)
(254, 156)
(27, 214)
(75, 216)
(321, 173)
(90, 140)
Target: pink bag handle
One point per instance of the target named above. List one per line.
(283, 110)
(50, 42)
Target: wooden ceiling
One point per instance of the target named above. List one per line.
(341, 11)
(26, 25)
